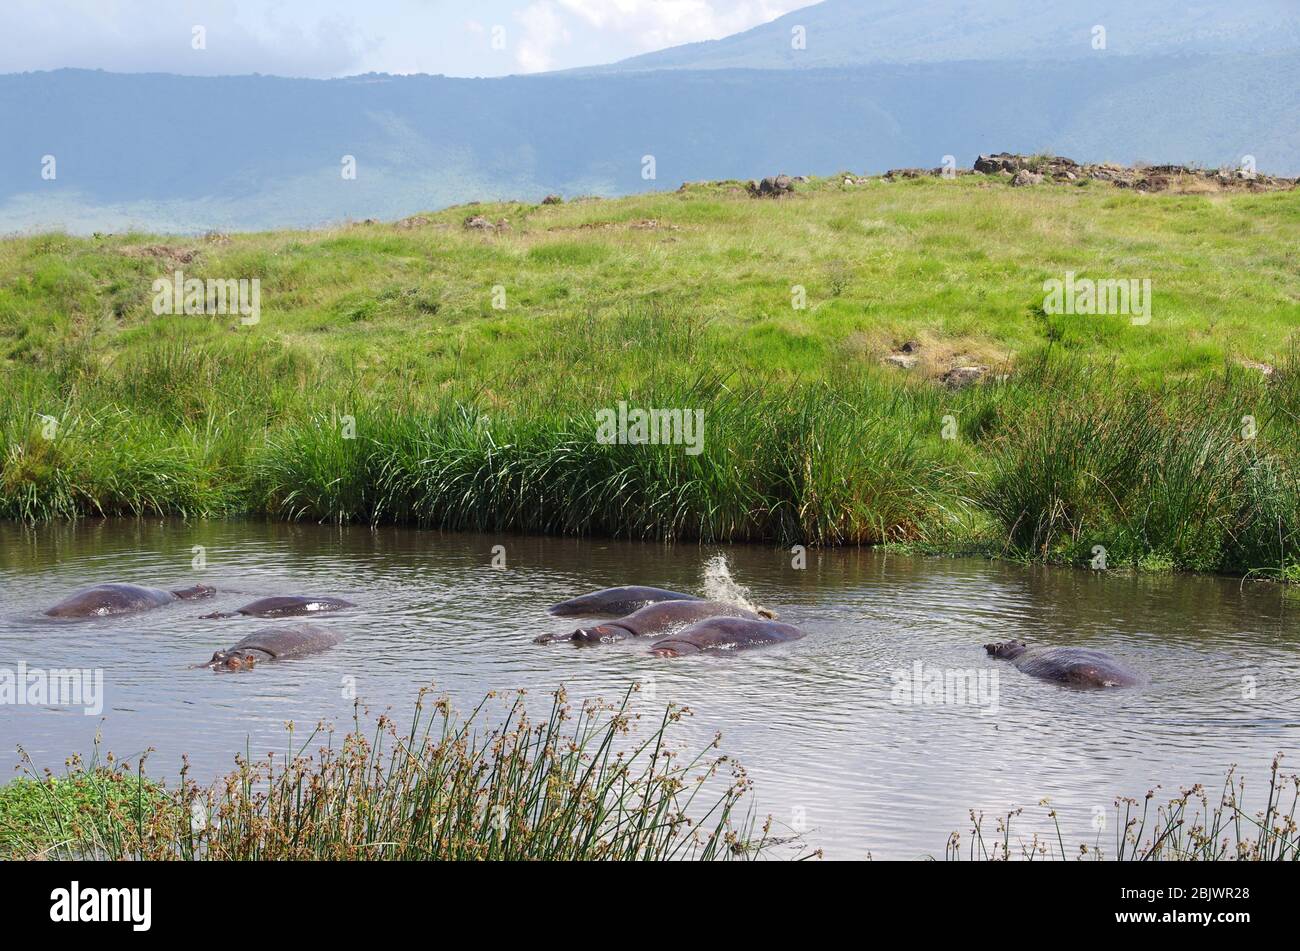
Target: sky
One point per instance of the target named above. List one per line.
(328, 38)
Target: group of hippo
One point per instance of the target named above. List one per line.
(685, 624)
(696, 624)
(272, 643)
(681, 624)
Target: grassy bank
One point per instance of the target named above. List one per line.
(382, 384)
(578, 785)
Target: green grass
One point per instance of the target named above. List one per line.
(576, 785)
(470, 416)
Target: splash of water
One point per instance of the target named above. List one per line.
(720, 586)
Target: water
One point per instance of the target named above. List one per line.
(814, 722)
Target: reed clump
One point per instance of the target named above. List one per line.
(795, 465)
(1198, 477)
(579, 784)
(1197, 825)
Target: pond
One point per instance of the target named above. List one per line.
(838, 732)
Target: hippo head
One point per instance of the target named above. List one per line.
(233, 660)
(600, 634)
(1007, 650)
(195, 593)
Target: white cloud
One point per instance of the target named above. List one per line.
(156, 35)
(340, 37)
(544, 30)
(655, 24)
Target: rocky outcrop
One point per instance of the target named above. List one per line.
(481, 223)
(1035, 169)
(776, 187)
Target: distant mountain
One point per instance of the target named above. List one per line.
(187, 154)
(868, 32)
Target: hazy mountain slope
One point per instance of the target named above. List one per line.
(860, 32)
(257, 152)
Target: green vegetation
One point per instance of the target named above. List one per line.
(581, 786)
(37, 816)
(1151, 442)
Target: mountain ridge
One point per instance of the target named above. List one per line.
(868, 32)
(255, 152)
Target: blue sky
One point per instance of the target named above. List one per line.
(324, 38)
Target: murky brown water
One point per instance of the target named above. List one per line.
(815, 722)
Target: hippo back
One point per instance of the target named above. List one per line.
(617, 601)
(731, 633)
(1076, 666)
(107, 599)
(293, 640)
(667, 615)
(292, 605)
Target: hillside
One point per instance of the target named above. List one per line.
(470, 350)
(257, 152)
(867, 32)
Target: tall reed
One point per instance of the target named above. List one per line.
(1191, 827)
(574, 785)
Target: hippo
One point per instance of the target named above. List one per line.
(725, 634)
(1072, 666)
(104, 600)
(292, 605)
(654, 620)
(274, 643)
(616, 602)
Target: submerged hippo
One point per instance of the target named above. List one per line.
(1073, 666)
(617, 601)
(654, 620)
(292, 605)
(107, 599)
(725, 634)
(274, 643)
